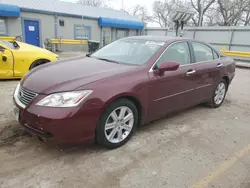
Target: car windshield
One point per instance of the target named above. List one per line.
(8, 44)
(128, 51)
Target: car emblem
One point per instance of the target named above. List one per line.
(21, 94)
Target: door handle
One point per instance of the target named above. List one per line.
(219, 65)
(190, 72)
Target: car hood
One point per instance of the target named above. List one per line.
(30, 48)
(69, 74)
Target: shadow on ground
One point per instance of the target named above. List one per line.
(12, 133)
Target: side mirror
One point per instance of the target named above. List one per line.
(168, 66)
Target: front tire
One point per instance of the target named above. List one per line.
(37, 63)
(219, 94)
(117, 124)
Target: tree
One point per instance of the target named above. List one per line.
(246, 16)
(212, 17)
(232, 11)
(142, 13)
(201, 7)
(95, 3)
(162, 11)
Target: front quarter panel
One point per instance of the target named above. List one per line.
(24, 59)
(134, 84)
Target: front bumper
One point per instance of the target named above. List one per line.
(59, 125)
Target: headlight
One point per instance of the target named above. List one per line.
(65, 99)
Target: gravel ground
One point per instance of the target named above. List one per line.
(200, 147)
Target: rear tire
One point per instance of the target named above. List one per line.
(219, 94)
(117, 124)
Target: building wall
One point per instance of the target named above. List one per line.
(132, 32)
(13, 26)
(113, 31)
(68, 32)
(47, 24)
(107, 35)
(50, 28)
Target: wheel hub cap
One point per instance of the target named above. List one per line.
(119, 124)
(220, 93)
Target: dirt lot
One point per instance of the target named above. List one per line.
(200, 147)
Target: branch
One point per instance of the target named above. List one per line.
(208, 5)
(194, 5)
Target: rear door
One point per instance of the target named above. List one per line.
(174, 89)
(208, 68)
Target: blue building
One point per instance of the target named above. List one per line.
(37, 20)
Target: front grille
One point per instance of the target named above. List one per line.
(25, 96)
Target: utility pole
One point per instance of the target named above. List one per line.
(122, 5)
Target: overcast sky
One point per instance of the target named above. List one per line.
(127, 4)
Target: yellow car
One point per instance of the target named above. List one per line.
(16, 58)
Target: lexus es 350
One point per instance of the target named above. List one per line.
(129, 82)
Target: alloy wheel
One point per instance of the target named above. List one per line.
(220, 93)
(119, 124)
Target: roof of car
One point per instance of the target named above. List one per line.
(157, 38)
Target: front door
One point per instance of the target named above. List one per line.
(31, 29)
(174, 89)
(6, 63)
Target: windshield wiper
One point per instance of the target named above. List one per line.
(108, 60)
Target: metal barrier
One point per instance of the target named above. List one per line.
(68, 41)
(235, 53)
(57, 43)
(92, 45)
(7, 38)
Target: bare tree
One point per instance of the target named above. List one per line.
(246, 16)
(212, 17)
(142, 13)
(95, 3)
(162, 11)
(201, 7)
(232, 11)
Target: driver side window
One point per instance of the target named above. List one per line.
(177, 52)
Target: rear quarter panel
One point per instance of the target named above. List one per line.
(228, 68)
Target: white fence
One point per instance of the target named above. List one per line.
(233, 38)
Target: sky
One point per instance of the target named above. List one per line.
(128, 4)
(117, 4)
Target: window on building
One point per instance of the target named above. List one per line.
(106, 36)
(61, 22)
(2, 27)
(82, 32)
(121, 33)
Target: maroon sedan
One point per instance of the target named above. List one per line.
(129, 82)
